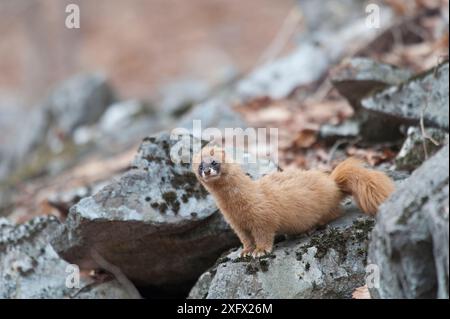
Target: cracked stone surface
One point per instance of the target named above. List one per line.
(424, 95)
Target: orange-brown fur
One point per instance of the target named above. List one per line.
(292, 201)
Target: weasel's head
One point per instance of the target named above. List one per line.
(209, 164)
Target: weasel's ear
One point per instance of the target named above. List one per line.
(220, 152)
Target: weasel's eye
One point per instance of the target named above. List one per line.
(213, 163)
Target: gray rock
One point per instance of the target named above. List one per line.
(359, 77)
(279, 78)
(120, 126)
(16, 147)
(410, 242)
(63, 200)
(412, 153)
(329, 15)
(328, 264)
(30, 268)
(397, 175)
(120, 115)
(156, 223)
(356, 79)
(215, 113)
(80, 100)
(425, 95)
(19, 142)
(347, 130)
(179, 97)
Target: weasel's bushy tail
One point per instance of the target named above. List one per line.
(368, 187)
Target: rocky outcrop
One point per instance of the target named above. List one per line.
(384, 97)
(30, 268)
(425, 96)
(13, 154)
(79, 101)
(359, 77)
(356, 79)
(410, 241)
(156, 223)
(120, 126)
(328, 264)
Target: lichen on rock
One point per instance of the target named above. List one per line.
(328, 264)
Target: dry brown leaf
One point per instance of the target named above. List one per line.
(273, 114)
(305, 138)
(329, 111)
(256, 104)
(371, 156)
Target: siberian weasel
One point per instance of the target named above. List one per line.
(288, 202)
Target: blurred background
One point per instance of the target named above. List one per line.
(144, 50)
(141, 45)
(337, 78)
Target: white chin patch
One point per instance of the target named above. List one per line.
(212, 173)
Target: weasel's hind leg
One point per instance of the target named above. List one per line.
(332, 215)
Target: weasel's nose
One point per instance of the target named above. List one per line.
(207, 171)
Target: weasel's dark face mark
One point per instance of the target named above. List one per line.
(209, 169)
(210, 164)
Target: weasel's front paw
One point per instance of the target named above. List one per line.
(246, 251)
(259, 252)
